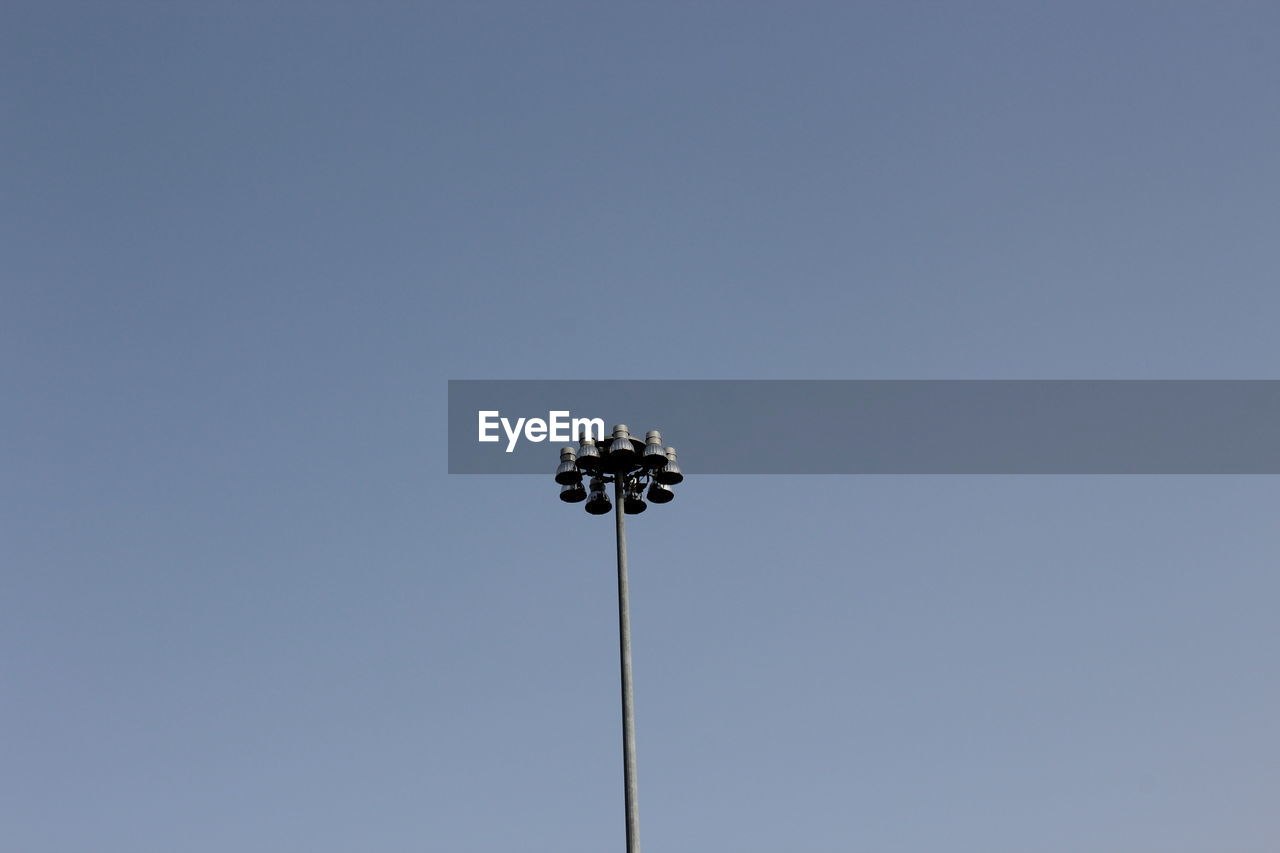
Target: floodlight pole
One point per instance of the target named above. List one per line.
(624, 654)
(630, 465)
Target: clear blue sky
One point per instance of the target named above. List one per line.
(243, 608)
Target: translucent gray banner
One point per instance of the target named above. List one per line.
(883, 426)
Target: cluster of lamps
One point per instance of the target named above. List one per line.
(646, 469)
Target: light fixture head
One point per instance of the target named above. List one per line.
(598, 502)
(632, 502)
(573, 493)
(588, 458)
(660, 494)
(622, 451)
(655, 455)
(669, 474)
(567, 473)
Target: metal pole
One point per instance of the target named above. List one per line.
(624, 649)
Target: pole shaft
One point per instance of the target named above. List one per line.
(624, 652)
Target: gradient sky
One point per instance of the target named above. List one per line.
(244, 245)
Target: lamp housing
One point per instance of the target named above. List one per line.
(573, 493)
(669, 474)
(660, 494)
(654, 455)
(598, 502)
(567, 472)
(588, 456)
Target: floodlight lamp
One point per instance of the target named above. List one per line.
(632, 502)
(567, 473)
(655, 455)
(660, 494)
(588, 454)
(573, 493)
(598, 502)
(622, 453)
(669, 474)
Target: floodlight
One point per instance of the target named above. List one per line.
(598, 502)
(655, 455)
(622, 453)
(588, 454)
(636, 471)
(573, 493)
(567, 473)
(669, 474)
(632, 503)
(660, 494)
